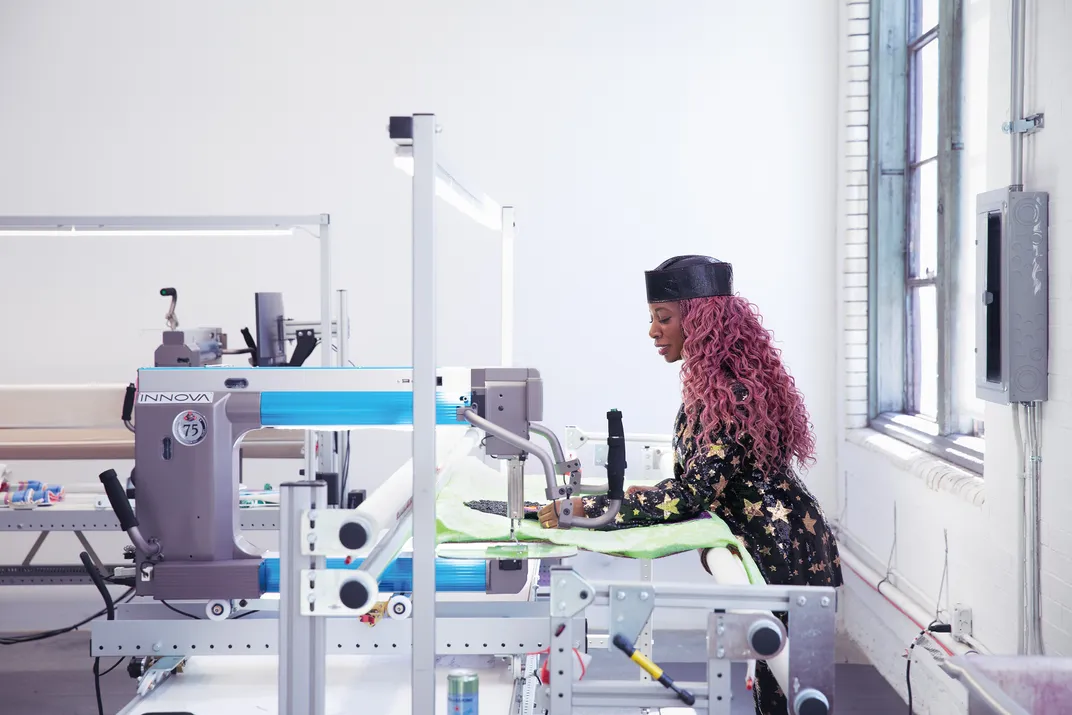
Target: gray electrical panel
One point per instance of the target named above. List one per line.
(1012, 315)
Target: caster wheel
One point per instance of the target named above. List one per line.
(399, 607)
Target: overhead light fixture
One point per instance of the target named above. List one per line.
(88, 232)
(477, 206)
(208, 226)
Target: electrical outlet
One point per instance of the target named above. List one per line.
(962, 621)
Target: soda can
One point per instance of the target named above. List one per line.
(463, 692)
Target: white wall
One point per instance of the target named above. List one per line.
(624, 132)
(933, 500)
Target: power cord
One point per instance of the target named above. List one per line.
(180, 612)
(199, 618)
(43, 635)
(109, 607)
(934, 627)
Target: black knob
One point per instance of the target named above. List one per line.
(352, 535)
(353, 594)
(766, 640)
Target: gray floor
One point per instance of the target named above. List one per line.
(52, 677)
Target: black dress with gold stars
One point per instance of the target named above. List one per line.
(773, 516)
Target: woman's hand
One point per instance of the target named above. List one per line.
(633, 490)
(548, 514)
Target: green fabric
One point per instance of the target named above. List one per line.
(471, 480)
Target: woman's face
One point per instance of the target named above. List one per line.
(666, 330)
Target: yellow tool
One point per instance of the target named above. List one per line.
(651, 669)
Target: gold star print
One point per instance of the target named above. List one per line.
(716, 450)
(816, 568)
(826, 538)
(837, 561)
(809, 523)
(765, 551)
(769, 528)
(692, 488)
(796, 544)
(783, 485)
(773, 568)
(669, 506)
(588, 503)
(779, 512)
(795, 572)
(735, 461)
(720, 486)
(642, 497)
(798, 498)
(636, 512)
(748, 484)
(618, 518)
(752, 509)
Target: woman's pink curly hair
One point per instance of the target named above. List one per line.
(725, 346)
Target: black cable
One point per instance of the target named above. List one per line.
(96, 685)
(933, 627)
(181, 613)
(114, 665)
(42, 635)
(109, 607)
(247, 613)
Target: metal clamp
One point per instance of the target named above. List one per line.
(1027, 125)
(744, 636)
(630, 608)
(337, 592)
(570, 594)
(337, 532)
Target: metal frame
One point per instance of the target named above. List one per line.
(426, 170)
(891, 369)
(90, 226)
(54, 518)
(499, 628)
(812, 633)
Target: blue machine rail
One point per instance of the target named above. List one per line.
(452, 575)
(349, 409)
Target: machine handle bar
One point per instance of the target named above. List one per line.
(117, 497)
(615, 456)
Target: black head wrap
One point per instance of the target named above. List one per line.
(684, 277)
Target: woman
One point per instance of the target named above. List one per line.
(741, 430)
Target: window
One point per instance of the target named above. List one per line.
(921, 368)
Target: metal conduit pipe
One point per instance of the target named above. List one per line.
(1029, 448)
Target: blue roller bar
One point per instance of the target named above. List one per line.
(452, 575)
(346, 409)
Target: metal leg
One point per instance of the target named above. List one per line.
(646, 642)
(812, 628)
(561, 659)
(35, 548)
(719, 682)
(424, 415)
(302, 658)
(89, 550)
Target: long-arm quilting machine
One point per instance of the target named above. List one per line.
(310, 620)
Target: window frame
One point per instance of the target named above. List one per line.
(895, 41)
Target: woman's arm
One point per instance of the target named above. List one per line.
(681, 497)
